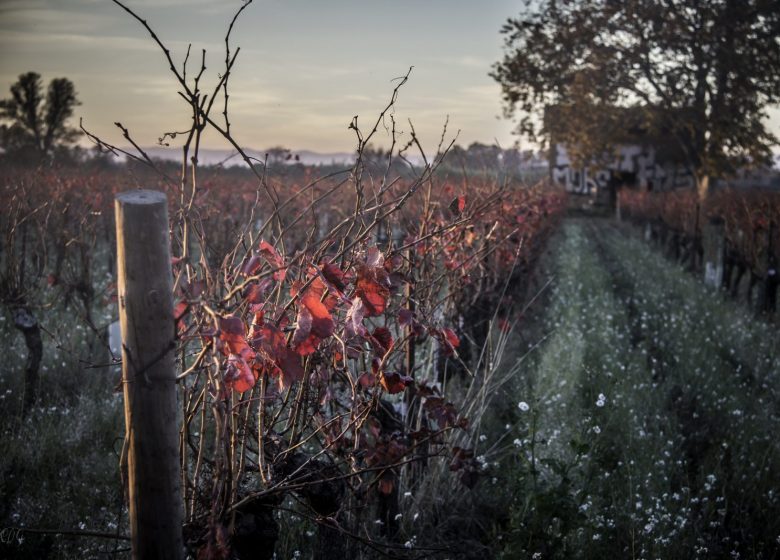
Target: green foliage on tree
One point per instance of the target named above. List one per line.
(699, 72)
(34, 125)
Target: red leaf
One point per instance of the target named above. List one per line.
(290, 367)
(458, 205)
(270, 342)
(451, 338)
(314, 321)
(382, 340)
(179, 311)
(255, 292)
(303, 340)
(251, 265)
(318, 289)
(322, 323)
(372, 287)
(448, 339)
(274, 259)
(334, 275)
(394, 382)
(239, 376)
(257, 322)
(272, 347)
(443, 413)
(233, 334)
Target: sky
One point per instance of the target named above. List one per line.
(305, 68)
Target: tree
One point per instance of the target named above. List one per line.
(702, 72)
(34, 124)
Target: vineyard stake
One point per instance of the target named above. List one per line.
(769, 293)
(714, 241)
(145, 290)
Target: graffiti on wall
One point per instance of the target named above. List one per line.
(633, 164)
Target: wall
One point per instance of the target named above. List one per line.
(633, 164)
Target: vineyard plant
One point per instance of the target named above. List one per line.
(338, 339)
(750, 222)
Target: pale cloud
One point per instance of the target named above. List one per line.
(72, 41)
(488, 92)
(304, 71)
(252, 101)
(356, 97)
(142, 4)
(466, 61)
(50, 20)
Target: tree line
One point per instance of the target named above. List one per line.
(35, 123)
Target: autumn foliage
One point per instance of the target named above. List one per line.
(751, 219)
(322, 322)
(314, 339)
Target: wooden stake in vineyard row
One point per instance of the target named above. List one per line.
(145, 289)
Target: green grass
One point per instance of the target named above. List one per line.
(677, 459)
(59, 464)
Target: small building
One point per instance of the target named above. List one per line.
(636, 157)
(633, 165)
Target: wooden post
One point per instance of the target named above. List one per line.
(25, 321)
(145, 288)
(714, 244)
(769, 292)
(648, 232)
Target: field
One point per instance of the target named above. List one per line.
(650, 408)
(424, 366)
(335, 346)
(430, 350)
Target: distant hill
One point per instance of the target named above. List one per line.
(214, 157)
